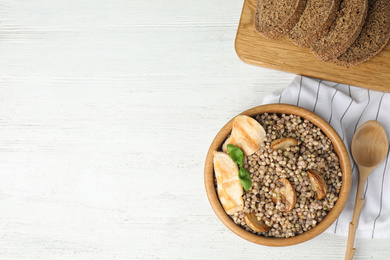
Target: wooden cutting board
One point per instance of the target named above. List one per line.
(284, 55)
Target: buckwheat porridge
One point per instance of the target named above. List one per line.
(296, 178)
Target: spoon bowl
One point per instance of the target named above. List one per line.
(369, 144)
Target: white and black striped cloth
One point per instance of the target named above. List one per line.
(346, 108)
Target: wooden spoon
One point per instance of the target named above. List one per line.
(369, 148)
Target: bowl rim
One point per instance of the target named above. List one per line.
(339, 147)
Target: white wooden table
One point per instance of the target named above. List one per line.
(107, 109)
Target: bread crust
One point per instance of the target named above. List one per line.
(320, 31)
(328, 55)
(285, 26)
(364, 56)
(361, 59)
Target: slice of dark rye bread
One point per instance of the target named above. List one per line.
(314, 22)
(275, 18)
(373, 37)
(344, 30)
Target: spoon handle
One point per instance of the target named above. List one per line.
(352, 230)
(359, 202)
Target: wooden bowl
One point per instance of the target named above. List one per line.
(339, 148)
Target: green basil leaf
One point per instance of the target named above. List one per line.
(236, 154)
(245, 178)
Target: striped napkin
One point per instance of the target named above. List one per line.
(346, 108)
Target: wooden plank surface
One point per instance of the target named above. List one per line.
(107, 110)
(284, 55)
